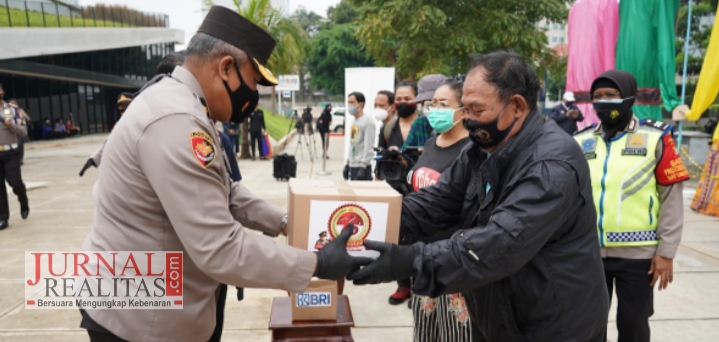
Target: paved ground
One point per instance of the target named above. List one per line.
(62, 212)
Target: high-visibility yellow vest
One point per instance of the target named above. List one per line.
(624, 184)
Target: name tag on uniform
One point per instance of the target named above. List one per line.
(636, 145)
(589, 147)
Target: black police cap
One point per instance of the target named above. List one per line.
(232, 28)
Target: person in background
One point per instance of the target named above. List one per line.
(566, 114)
(10, 160)
(323, 126)
(60, 129)
(637, 179)
(233, 136)
(519, 198)
(404, 101)
(71, 129)
(307, 120)
(47, 130)
(28, 125)
(170, 61)
(384, 112)
(445, 318)
(362, 135)
(257, 131)
(421, 129)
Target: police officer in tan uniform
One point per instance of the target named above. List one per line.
(164, 186)
(10, 159)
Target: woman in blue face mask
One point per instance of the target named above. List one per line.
(444, 318)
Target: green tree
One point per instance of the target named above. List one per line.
(424, 37)
(702, 13)
(309, 20)
(291, 44)
(334, 49)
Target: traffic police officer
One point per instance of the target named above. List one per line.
(10, 159)
(164, 187)
(123, 101)
(636, 179)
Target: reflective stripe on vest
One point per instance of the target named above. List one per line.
(624, 186)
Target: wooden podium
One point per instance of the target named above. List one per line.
(285, 330)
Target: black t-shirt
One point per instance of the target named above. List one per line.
(433, 161)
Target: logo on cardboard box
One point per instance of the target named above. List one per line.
(314, 299)
(350, 213)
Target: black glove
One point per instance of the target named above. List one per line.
(394, 263)
(333, 262)
(240, 293)
(362, 173)
(87, 165)
(346, 172)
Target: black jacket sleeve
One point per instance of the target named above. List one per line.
(528, 215)
(581, 116)
(262, 120)
(435, 209)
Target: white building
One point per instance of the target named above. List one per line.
(282, 5)
(556, 33)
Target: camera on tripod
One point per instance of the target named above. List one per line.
(393, 166)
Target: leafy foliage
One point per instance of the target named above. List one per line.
(422, 37)
(333, 48)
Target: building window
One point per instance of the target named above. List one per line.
(554, 39)
(561, 40)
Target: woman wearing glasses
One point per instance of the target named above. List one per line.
(444, 318)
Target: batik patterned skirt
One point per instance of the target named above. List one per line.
(441, 319)
(706, 200)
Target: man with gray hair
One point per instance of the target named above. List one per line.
(525, 252)
(165, 187)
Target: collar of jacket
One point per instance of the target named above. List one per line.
(187, 78)
(489, 170)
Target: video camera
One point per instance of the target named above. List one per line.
(393, 166)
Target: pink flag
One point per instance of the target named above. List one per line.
(592, 33)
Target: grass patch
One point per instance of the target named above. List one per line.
(35, 19)
(276, 125)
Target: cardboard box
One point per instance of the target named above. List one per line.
(319, 209)
(317, 303)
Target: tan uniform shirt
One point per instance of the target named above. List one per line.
(8, 134)
(157, 191)
(670, 223)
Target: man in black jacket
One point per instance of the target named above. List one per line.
(526, 252)
(257, 130)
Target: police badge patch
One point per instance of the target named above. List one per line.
(589, 147)
(203, 148)
(636, 145)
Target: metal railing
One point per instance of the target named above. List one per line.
(19, 13)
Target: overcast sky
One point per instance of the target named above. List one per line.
(187, 15)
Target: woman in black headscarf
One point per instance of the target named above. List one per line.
(613, 96)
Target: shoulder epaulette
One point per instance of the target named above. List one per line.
(592, 126)
(658, 125)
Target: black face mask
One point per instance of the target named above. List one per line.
(570, 103)
(614, 113)
(486, 134)
(240, 97)
(405, 109)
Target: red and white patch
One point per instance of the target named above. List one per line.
(203, 148)
(670, 169)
